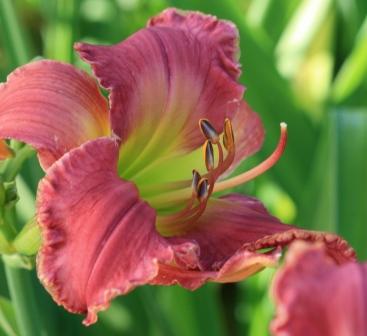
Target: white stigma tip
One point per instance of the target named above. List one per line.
(283, 125)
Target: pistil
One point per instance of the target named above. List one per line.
(261, 168)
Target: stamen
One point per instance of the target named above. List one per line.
(261, 168)
(203, 186)
(195, 181)
(209, 155)
(202, 191)
(228, 137)
(209, 131)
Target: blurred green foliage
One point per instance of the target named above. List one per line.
(304, 62)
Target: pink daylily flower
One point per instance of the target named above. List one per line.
(118, 207)
(317, 296)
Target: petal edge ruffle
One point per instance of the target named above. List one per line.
(234, 239)
(162, 80)
(315, 296)
(99, 238)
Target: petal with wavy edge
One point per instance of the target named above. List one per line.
(226, 244)
(52, 106)
(163, 79)
(99, 237)
(315, 296)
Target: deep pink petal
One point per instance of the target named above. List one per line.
(235, 238)
(317, 297)
(226, 225)
(99, 237)
(166, 77)
(52, 106)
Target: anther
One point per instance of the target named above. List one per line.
(209, 155)
(195, 181)
(209, 131)
(228, 138)
(202, 190)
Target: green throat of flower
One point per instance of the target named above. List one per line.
(180, 204)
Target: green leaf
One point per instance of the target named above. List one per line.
(61, 30)
(336, 199)
(11, 194)
(13, 34)
(300, 33)
(354, 69)
(28, 240)
(196, 314)
(8, 324)
(18, 261)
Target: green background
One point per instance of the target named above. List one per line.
(304, 62)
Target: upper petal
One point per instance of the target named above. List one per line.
(163, 79)
(315, 296)
(99, 237)
(248, 134)
(52, 106)
(235, 238)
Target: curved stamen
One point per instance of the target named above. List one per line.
(202, 191)
(228, 137)
(209, 155)
(261, 168)
(203, 186)
(196, 177)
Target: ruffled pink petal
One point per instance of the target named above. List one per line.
(164, 78)
(317, 297)
(99, 237)
(53, 107)
(235, 238)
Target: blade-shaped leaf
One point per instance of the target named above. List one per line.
(8, 324)
(337, 195)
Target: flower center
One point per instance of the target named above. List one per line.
(202, 186)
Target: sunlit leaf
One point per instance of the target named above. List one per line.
(337, 197)
(8, 324)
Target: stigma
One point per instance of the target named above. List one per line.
(219, 154)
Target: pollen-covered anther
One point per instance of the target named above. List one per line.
(202, 186)
(209, 155)
(209, 131)
(228, 137)
(203, 190)
(195, 181)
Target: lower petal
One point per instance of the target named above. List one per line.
(235, 238)
(315, 296)
(99, 237)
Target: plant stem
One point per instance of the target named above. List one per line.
(23, 299)
(13, 35)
